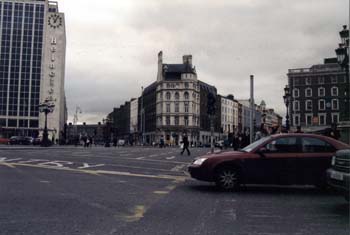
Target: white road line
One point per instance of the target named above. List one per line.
(170, 158)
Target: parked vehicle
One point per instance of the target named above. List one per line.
(4, 141)
(338, 176)
(282, 159)
(37, 141)
(21, 140)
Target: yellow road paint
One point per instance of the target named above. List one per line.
(161, 192)
(137, 214)
(7, 164)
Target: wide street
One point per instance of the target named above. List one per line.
(134, 190)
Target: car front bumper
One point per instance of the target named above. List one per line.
(199, 173)
(338, 180)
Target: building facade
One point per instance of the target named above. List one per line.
(32, 65)
(178, 101)
(227, 115)
(318, 95)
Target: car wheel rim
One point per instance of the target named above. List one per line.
(228, 179)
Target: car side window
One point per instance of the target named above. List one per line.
(314, 145)
(283, 145)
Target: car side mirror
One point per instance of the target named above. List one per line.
(263, 150)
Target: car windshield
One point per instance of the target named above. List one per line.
(252, 146)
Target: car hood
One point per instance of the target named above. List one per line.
(228, 154)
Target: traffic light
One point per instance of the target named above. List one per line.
(211, 103)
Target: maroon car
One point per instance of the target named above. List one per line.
(283, 159)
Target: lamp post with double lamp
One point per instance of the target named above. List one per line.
(286, 99)
(343, 59)
(46, 107)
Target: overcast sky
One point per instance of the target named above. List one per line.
(112, 45)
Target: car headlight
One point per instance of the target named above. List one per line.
(199, 161)
(333, 160)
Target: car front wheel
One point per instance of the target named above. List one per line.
(227, 179)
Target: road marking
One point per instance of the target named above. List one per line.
(4, 159)
(170, 158)
(137, 214)
(7, 164)
(86, 165)
(99, 172)
(161, 192)
(58, 164)
(140, 158)
(178, 168)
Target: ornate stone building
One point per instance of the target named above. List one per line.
(178, 101)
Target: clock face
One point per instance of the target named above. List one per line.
(55, 21)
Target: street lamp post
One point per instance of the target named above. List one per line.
(286, 99)
(343, 59)
(46, 107)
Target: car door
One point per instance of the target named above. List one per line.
(276, 164)
(314, 160)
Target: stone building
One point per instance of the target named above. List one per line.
(177, 102)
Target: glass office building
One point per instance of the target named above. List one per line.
(23, 39)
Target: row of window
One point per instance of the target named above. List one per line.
(177, 107)
(320, 119)
(177, 85)
(320, 80)
(177, 95)
(321, 92)
(20, 123)
(322, 105)
(176, 120)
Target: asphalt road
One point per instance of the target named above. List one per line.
(100, 191)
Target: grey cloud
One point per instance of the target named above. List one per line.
(229, 40)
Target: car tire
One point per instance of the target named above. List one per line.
(227, 179)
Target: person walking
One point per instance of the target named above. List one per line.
(185, 145)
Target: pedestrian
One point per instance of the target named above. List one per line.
(185, 145)
(334, 133)
(299, 130)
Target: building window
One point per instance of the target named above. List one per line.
(168, 108)
(176, 120)
(334, 79)
(186, 95)
(296, 105)
(321, 92)
(168, 120)
(168, 95)
(186, 120)
(334, 91)
(321, 80)
(177, 96)
(308, 81)
(296, 119)
(335, 104)
(176, 107)
(308, 92)
(308, 119)
(308, 105)
(322, 119)
(295, 92)
(321, 105)
(186, 108)
(186, 85)
(335, 117)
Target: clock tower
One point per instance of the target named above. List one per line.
(52, 86)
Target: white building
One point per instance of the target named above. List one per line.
(227, 115)
(32, 66)
(177, 101)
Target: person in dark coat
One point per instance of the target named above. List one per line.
(185, 145)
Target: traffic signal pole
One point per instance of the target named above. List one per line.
(212, 133)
